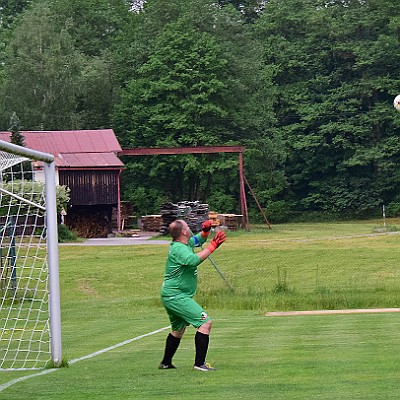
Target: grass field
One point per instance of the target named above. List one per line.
(111, 294)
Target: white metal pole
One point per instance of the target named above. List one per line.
(54, 281)
(384, 216)
(52, 242)
(23, 151)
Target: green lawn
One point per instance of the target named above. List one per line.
(111, 294)
(319, 357)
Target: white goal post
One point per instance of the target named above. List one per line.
(30, 321)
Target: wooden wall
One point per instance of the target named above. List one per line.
(91, 187)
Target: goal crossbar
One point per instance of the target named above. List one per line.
(22, 199)
(25, 152)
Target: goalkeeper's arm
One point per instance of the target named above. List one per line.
(217, 240)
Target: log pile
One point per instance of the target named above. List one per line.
(128, 219)
(89, 226)
(152, 223)
(193, 212)
(213, 216)
(231, 221)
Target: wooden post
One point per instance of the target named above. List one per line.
(258, 204)
(119, 224)
(243, 202)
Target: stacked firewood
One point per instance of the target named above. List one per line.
(213, 216)
(89, 226)
(230, 221)
(151, 223)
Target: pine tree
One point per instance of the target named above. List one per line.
(15, 125)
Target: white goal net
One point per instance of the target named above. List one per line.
(26, 330)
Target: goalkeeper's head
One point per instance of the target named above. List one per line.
(179, 230)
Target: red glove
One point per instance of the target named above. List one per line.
(206, 228)
(218, 239)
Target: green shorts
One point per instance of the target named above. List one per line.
(183, 310)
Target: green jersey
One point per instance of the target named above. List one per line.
(181, 268)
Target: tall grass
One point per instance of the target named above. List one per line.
(305, 266)
(291, 267)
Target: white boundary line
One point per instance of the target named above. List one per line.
(323, 312)
(96, 353)
(326, 238)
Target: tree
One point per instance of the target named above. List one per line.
(42, 72)
(175, 100)
(57, 72)
(92, 24)
(16, 136)
(334, 91)
(10, 10)
(250, 9)
(196, 80)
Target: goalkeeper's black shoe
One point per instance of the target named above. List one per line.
(205, 367)
(166, 366)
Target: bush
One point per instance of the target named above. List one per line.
(393, 209)
(65, 235)
(222, 203)
(280, 211)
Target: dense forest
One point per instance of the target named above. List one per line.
(306, 86)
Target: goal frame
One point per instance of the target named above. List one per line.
(51, 243)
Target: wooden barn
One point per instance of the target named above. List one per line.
(86, 161)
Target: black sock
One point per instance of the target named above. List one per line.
(201, 341)
(171, 346)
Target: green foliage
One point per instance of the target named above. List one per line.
(249, 9)
(340, 195)
(57, 73)
(10, 10)
(176, 92)
(145, 200)
(62, 197)
(184, 91)
(41, 70)
(15, 126)
(280, 211)
(393, 209)
(63, 364)
(32, 191)
(92, 24)
(65, 235)
(172, 100)
(222, 202)
(334, 103)
(306, 86)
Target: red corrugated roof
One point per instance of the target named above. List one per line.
(83, 148)
(88, 160)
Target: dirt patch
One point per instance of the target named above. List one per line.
(85, 288)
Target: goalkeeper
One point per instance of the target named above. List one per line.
(179, 287)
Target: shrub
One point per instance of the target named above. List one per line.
(222, 202)
(65, 235)
(393, 209)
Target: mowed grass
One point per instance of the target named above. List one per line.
(319, 357)
(111, 294)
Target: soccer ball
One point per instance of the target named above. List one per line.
(396, 102)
